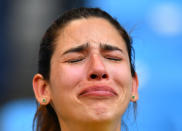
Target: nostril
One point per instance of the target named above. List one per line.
(93, 76)
(104, 76)
(97, 76)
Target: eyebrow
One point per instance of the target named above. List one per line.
(83, 47)
(107, 47)
(79, 48)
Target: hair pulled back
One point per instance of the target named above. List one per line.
(45, 118)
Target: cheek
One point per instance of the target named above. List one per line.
(66, 77)
(71, 76)
(121, 75)
(64, 83)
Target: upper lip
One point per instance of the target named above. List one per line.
(97, 88)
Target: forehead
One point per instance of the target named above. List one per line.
(91, 30)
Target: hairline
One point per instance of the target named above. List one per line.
(62, 27)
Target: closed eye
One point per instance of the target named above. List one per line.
(75, 60)
(114, 59)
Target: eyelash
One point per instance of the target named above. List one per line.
(80, 59)
(75, 60)
(114, 59)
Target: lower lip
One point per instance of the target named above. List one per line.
(98, 94)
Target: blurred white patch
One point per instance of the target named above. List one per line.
(166, 19)
(143, 74)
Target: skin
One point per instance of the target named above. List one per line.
(80, 53)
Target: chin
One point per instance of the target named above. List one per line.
(102, 113)
(99, 109)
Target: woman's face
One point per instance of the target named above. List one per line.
(90, 77)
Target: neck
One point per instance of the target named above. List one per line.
(91, 126)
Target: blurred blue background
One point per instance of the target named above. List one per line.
(156, 29)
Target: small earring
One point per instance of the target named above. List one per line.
(44, 100)
(133, 97)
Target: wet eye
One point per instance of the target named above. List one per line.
(75, 60)
(114, 59)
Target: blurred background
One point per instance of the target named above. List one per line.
(156, 29)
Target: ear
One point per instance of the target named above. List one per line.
(135, 84)
(41, 89)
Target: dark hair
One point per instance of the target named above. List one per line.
(45, 117)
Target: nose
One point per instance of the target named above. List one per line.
(97, 70)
